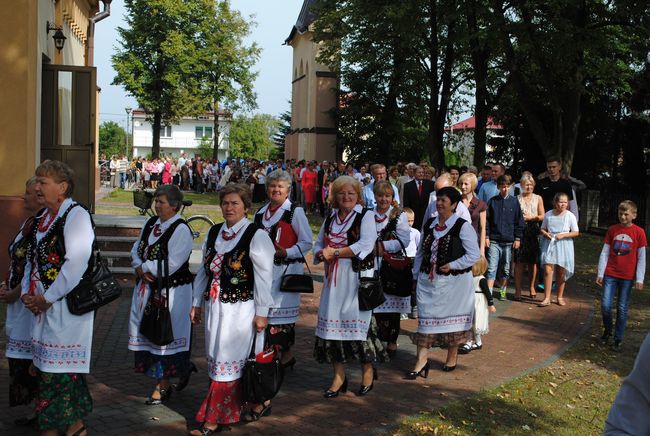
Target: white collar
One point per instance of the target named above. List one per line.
(284, 206)
(382, 214)
(235, 228)
(166, 224)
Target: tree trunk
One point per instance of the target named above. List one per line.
(157, 124)
(436, 153)
(479, 58)
(215, 140)
(388, 122)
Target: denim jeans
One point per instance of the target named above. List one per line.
(611, 287)
(499, 253)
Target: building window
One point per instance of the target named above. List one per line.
(201, 132)
(166, 132)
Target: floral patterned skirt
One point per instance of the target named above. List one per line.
(428, 340)
(62, 399)
(282, 335)
(337, 351)
(22, 385)
(388, 326)
(222, 404)
(156, 366)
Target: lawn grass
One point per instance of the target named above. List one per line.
(572, 396)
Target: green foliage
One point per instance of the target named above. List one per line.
(284, 128)
(225, 61)
(112, 139)
(205, 148)
(253, 136)
(156, 59)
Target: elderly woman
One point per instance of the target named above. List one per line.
(346, 243)
(444, 285)
(477, 208)
(160, 259)
(289, 230)
(394, 234)
(235, 286)
(22, 385)
(532, 208)
(60, 249)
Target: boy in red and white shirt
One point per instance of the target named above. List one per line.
(621, 266)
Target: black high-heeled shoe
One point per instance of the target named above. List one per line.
(446, 368)
(183, 381)
(289, 363)
(364, 389)
(412, 375)
(165, 394)
(333, 394)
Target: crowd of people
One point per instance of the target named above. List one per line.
(449, 237)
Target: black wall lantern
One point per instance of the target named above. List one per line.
(58, 37)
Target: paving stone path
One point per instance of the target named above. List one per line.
(522, 337)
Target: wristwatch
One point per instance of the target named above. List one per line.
(336, 253)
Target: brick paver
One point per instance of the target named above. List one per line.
(522, 337)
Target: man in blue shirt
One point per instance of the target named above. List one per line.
(378, 173)
(490, 189)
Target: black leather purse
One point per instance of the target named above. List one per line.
(298, 282)
(395, 273)
(97, 286)
(263, 375)
(156, 322)
(370, 293)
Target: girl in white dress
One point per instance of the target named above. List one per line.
(346, 243)
(165, 239)
(234, 284)
(393, 233)
(558, 229)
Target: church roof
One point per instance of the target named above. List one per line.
(305, 18)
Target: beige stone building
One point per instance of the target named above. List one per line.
(314, 94)
(49, 98)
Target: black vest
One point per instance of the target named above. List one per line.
(287, 217)
(237, 277)
(354, 234)
(450, 248)
(159, 251)
(19, 252)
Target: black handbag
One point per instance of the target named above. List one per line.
(156, 323)
(298, 282)
(263, 376)
(395, 272)
(370, 294)
(97, 286)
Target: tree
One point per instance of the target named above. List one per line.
(561, 54)
(226, 63)
(112, 139)
(253, 136)
(157, 58)
(284, 128)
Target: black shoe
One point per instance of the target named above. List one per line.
(204, 431)
(412, 375)
(333, 394)
(616, 346)
(183, 381)
(364, 390)
(446, 368)
(604, 338)
(465, 349)
(290, 363)
(165, 394)
(255, 416)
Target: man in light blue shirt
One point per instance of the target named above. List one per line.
(378, 173)
(490, 189)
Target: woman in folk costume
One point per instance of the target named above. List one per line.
(60, 249)
(394, 234)
(160, 258)
(22, 385)
(289, 230)
(444, 284)
(346, 243)
(235, 287)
